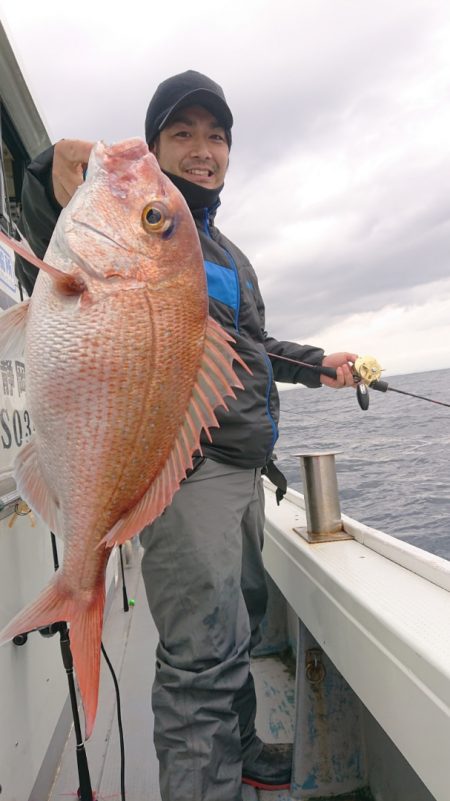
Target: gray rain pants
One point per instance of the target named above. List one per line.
(206, 589)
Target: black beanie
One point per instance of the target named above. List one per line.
(186, 89)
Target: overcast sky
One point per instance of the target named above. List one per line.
(339, 180)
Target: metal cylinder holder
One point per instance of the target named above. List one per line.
(323, 513)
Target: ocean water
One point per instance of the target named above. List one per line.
(393, 469)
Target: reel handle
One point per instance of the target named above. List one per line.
(362, 395)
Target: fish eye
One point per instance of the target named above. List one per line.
(155, 218)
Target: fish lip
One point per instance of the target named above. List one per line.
(101, 234)
(84, 264)
(129, 150)
(112, 276)
(107, 238)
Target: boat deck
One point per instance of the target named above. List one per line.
(379, 607)
(130, 640)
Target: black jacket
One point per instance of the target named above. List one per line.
(249, 429)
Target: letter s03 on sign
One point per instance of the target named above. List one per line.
(15, 420)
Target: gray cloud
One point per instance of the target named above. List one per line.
(368, 278)
(337, 189)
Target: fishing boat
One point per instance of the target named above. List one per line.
(354, 665)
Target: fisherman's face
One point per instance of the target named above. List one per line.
(194, 146)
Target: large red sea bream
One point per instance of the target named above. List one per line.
(123, 370)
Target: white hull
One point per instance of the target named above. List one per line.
(377, 608)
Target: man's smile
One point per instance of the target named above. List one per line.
(199, 171)
(200, 175)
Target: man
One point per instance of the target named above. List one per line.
(202, 563)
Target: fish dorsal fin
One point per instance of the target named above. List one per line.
(215, 380)
(68, 283)
(13, 326)
(32, 487)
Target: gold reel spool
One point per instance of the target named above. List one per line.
(368, 369)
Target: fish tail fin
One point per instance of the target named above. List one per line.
(85, 645)
(50, 606)
(86, 620)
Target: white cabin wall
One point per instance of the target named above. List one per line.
(35, 716)
(33, 687)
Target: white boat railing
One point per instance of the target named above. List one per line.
(374, 635)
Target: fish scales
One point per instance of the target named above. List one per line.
(100, 478)
(124, 370)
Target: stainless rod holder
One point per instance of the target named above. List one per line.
(323, 512)
(8, 502)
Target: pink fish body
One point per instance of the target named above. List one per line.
(124, 370)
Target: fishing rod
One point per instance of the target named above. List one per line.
(383, 386)
(85, 791)
(366, 373)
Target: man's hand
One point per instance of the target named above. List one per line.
(342, 363)
(69, 161)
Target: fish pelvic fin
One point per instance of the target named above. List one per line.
(13, 326)
(32, 487)
(55, 604)
(215, 380)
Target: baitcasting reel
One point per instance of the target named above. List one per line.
(366, 371)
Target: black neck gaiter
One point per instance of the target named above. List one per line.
(197, 197)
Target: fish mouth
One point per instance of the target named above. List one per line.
(100, 235)
(111, 275)
(132, 149)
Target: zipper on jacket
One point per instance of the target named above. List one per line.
(272, 421)
(205, 222)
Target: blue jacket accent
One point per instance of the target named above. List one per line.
(222, 284)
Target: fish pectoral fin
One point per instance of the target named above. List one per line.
(32, 487)
(13, 326)
(215, 380)
(66, 282)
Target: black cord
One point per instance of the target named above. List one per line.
(126, 606)
(119, 721)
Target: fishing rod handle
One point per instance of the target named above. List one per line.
(328, 371)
